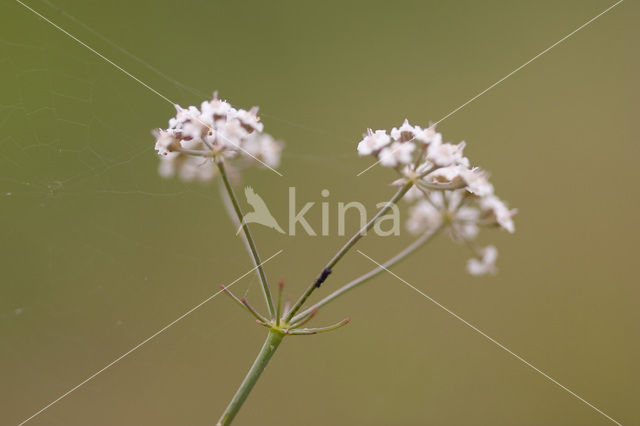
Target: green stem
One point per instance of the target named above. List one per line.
(270, 345)
(419, 242)
(352, 242)
(252, 246)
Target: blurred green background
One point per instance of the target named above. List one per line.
(98, 252)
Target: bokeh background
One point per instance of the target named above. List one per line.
(98, 252)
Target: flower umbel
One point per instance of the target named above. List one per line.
(447, 191)
(196, 137)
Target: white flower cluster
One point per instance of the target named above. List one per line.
(447, 191)
(197, 137)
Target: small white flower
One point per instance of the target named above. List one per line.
(183, 116)
(263, 147)
(477, 181)
(473, 180)
(424, 216)
(451, 175)
(498, 211)
(396, 154)
(447, 154)
(217, 109)
(167, 144)
(194, 129)
(192, 144)
(250, 120)
(428, 136)
(405, 133)
(485, 264)
(373, 142)
(231, 134)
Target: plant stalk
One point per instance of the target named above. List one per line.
(416, 244)
(252, 246)
(264, 356)
(352, 242)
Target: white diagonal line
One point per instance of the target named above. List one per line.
(138, 80)
(494, 341)
(99, 54)
(528, 62)
(163, 329)
(123, 50)
(370, 167)
(514, 71)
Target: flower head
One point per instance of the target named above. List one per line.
(447, 191)
(196, 138)
(412, 150)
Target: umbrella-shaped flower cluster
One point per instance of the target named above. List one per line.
(447, 193)
(196, 137)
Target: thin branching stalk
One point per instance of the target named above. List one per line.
(253, 312)
(235, 298)
(352, 242)
(254, 251)
(285, 309)
(419, 242)
(301, 319)
(279, 305)
(309, 331)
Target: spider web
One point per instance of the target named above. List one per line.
(57, 116)
(75, 140)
